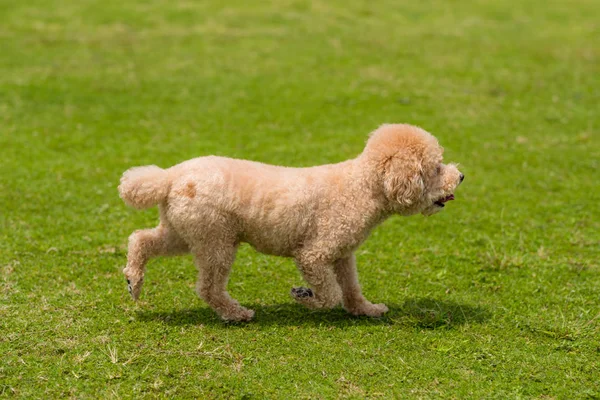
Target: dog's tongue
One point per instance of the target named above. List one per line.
(448, 198)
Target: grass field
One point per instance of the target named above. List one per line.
(498, 296)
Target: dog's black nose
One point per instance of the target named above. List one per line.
(462, 177)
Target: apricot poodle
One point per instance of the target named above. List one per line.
(318, 215)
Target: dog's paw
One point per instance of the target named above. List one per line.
(301, 293)
(240, 315)
(134, 288)
(369, 309)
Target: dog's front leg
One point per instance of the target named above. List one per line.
(353, 299)
(325, 292)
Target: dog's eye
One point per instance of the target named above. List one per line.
(438, 170)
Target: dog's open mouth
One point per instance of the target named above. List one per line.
(440, 202)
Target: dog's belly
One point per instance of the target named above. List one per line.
(274, 249)
(277, 239)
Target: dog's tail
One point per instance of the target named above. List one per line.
(144, 187)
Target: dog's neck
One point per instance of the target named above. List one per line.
(373, 201)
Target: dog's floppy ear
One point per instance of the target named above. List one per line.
(402, 181)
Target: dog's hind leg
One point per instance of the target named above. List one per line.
(325, 292)
(145, 244)
(353, 300)
(214, 263)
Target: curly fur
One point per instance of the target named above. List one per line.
(318, 215)
(144, 187)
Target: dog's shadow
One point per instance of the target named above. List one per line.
(426, 313)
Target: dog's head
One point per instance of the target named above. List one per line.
(408, 161)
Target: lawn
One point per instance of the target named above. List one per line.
(498, 296)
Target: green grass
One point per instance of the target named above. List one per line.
(496, 297)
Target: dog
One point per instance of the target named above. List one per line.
(318, 216)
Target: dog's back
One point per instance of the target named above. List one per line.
(268, 206)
